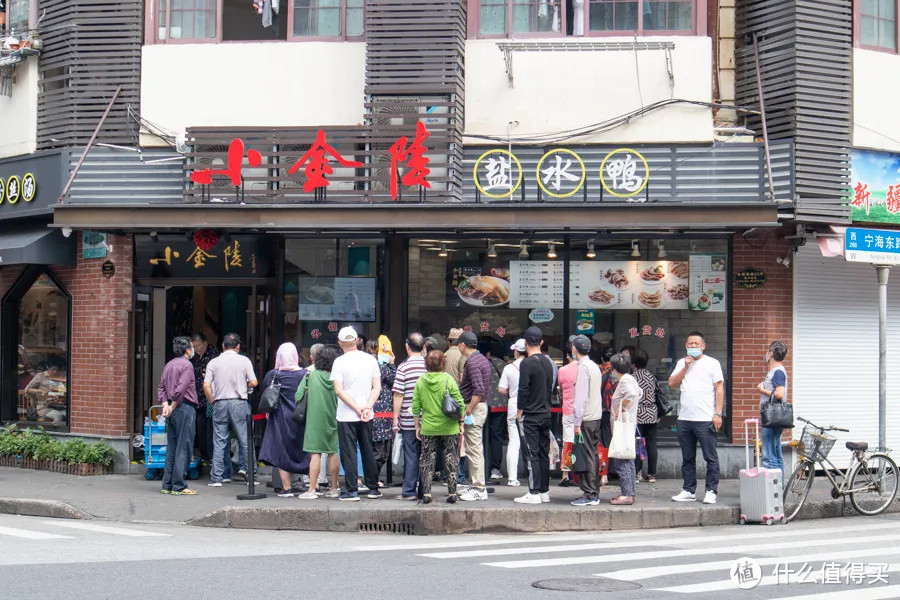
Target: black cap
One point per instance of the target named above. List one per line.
(469, 339)
(533, 336)
(582, 344)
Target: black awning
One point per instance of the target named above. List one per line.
(35, 246)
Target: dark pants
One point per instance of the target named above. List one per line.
(590, 480)
(349, 435)
(495, 434)
(689, 433)
(536, 435)
(382, 454)
(648, 432)
(204, 437)
(179, 446)
(439, 445)
(411, 449)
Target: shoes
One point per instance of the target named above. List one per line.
(684, 496)
(545, 496)
(474, 495)
(214, 484)
(374, 494)
(604, 480)
(166, 491)
(304, 479)
(528, 498)
(184, 492)
(310, 495)
(349, 497)
(709, 498)
(650, 479)
(286, 494)
(586, 500)
(226, 480)
(335, 493)
(427, 499)
(362, 487)
(622, 501)
(406, 498)
(241, 475)
(566, 483)
(451, 499)
(513, 483)
(496, 474)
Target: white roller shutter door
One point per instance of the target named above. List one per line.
(835, 353)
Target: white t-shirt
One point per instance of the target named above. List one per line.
(355, 371)
(698, 389)
(509, 380)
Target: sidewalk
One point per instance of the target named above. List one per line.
(131, 498)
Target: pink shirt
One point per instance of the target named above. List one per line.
(566, 380)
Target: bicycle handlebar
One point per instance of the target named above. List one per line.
(819, 427)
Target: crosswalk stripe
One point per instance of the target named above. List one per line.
(727, 584)
(669, 540)
(663, 570)
(31, 535)
(475, 540)
(885, 592)
(107, 529)
(765, 547)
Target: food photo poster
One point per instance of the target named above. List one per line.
(621, 285)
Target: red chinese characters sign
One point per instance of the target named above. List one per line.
(316, 163)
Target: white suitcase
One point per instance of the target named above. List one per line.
(761, 488)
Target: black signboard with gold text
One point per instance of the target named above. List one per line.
(750, 278)
(176, 256)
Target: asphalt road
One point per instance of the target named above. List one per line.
(48, 559)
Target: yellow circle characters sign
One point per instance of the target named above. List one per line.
(618, 173)
(554, 174)
(499, 174)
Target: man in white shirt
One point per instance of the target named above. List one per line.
(509, 386)
(700, 416)
(357, 384)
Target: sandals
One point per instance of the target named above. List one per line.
(184, 492)
(622, 501)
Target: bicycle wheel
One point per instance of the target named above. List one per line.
(876, 482)
(797, 489)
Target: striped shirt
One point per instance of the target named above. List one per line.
(405, 379)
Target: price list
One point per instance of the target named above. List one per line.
(536, 284)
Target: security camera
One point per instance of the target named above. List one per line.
(67, 231)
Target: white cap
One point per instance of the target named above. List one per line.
(519, 346)
(347, 334)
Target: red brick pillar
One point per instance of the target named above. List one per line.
(759, 317)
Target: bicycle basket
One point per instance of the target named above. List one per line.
(815, 445)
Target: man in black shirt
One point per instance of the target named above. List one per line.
(535, 386)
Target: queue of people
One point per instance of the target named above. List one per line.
(435, 404)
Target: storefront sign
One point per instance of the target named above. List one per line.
(30, 185)
(629, 284)
(541, 315)
(708, 282)
(647, 330)
(93, 244)
(876, 246)
(875, 181)
(750, 278)
(624, 173)
(108, 269)
(167, 256)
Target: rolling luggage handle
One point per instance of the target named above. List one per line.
(755, 445)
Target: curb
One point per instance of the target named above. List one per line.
(31, 507)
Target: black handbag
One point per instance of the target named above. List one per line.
(663, 406)
(776, 414)
(580, 456)
(271, 397)
(299, 414)
(449, 406)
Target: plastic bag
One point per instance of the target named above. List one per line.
(396, 451)
(554, 451)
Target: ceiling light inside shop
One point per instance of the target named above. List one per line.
(492, 250)
(635, 251)
(551, 253)
(523, 252)
(662, 249)
(590, 251)
(443, 251)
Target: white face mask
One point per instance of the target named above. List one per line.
(192, 354)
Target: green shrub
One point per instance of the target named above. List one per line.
(39, 445)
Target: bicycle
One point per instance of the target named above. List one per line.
(870, 479)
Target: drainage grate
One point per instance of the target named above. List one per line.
(402, 528)
(585, 584)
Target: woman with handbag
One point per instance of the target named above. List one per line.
(320, 423)
(438, 411)
(773, 389)
(382, 428)
(623, 413)
(647, 415)
(282, 446)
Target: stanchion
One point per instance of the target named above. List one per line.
(251, 466)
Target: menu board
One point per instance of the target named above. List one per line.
(477, 286)
(708, 282)
(629, 285)
(337, 298)
(536, 284)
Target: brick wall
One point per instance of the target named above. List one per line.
(99, 348)
(760, 316)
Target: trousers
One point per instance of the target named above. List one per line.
(475, 447)
(349, 435)
(179, 446)
(536, 433)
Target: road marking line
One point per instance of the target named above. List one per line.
(663, 570)
(727, 584)
(882, 592)
(31, 535)
(475, 540)
(612, 558)
(106, 529)
(673, 539)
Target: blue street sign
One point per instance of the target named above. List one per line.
(876, 246)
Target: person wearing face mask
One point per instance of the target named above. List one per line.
(178, 396)
(774, 386)
(702, 397)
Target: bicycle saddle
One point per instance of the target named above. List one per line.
(857, 446)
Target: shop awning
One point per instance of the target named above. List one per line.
(38, 245)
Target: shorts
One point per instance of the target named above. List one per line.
(568, 423)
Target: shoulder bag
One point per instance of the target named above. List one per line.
(663, 406)
(301, 402)
(776, 414)
(271, 397)
(449, 405)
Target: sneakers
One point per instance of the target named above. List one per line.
(709, 498)
(184, 492)
(496, 474)
(374, 494)
(586, 500)
(545, 496)
(241, 475)
(349, 497)
(451, 499)
(304, 479)
(474, 495)
(684, 496)
(226, 480)
(528, 498)
(335, 493)
(214, 484)
(286, 494)
(513, 483)
(164, 491)
(310, 495)
(567, 482)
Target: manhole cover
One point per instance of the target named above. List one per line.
(585, 584)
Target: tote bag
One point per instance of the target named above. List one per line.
(622, 444)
